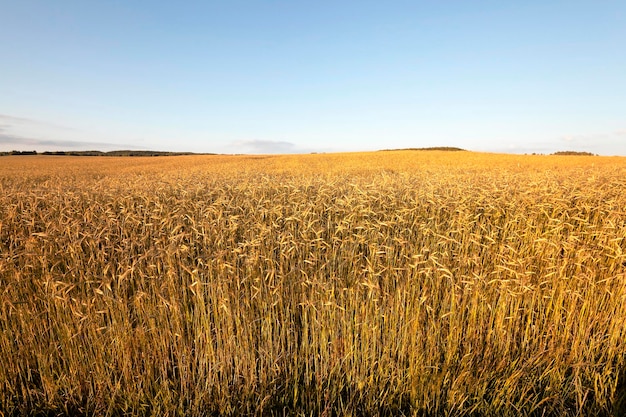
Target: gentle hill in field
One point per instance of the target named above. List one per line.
(567, 153)
(101, 153)
(435, 148)
(369, 284)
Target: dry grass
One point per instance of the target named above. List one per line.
(351, 284)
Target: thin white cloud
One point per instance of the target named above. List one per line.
(267, 146)
(590, 138)
(603, 143)
(584, 139)
(25, 143)
(8, 120)
(25, 134)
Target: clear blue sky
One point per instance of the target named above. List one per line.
(299, 76)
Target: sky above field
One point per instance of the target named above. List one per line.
(324, 76)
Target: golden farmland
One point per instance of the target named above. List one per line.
(385, 283)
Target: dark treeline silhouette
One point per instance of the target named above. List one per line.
(434, 148)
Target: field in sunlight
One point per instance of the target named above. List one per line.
(384, 283)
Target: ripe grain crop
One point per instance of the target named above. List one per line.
(385, 283)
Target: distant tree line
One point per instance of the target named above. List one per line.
(574, 153)
(100, 153)
(18, 153)
(434, 148)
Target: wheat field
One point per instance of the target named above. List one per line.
(409, 283)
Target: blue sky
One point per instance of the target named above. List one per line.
(294, 76)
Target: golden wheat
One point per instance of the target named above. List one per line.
(416, 283)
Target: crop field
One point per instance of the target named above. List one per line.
(417, 283)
